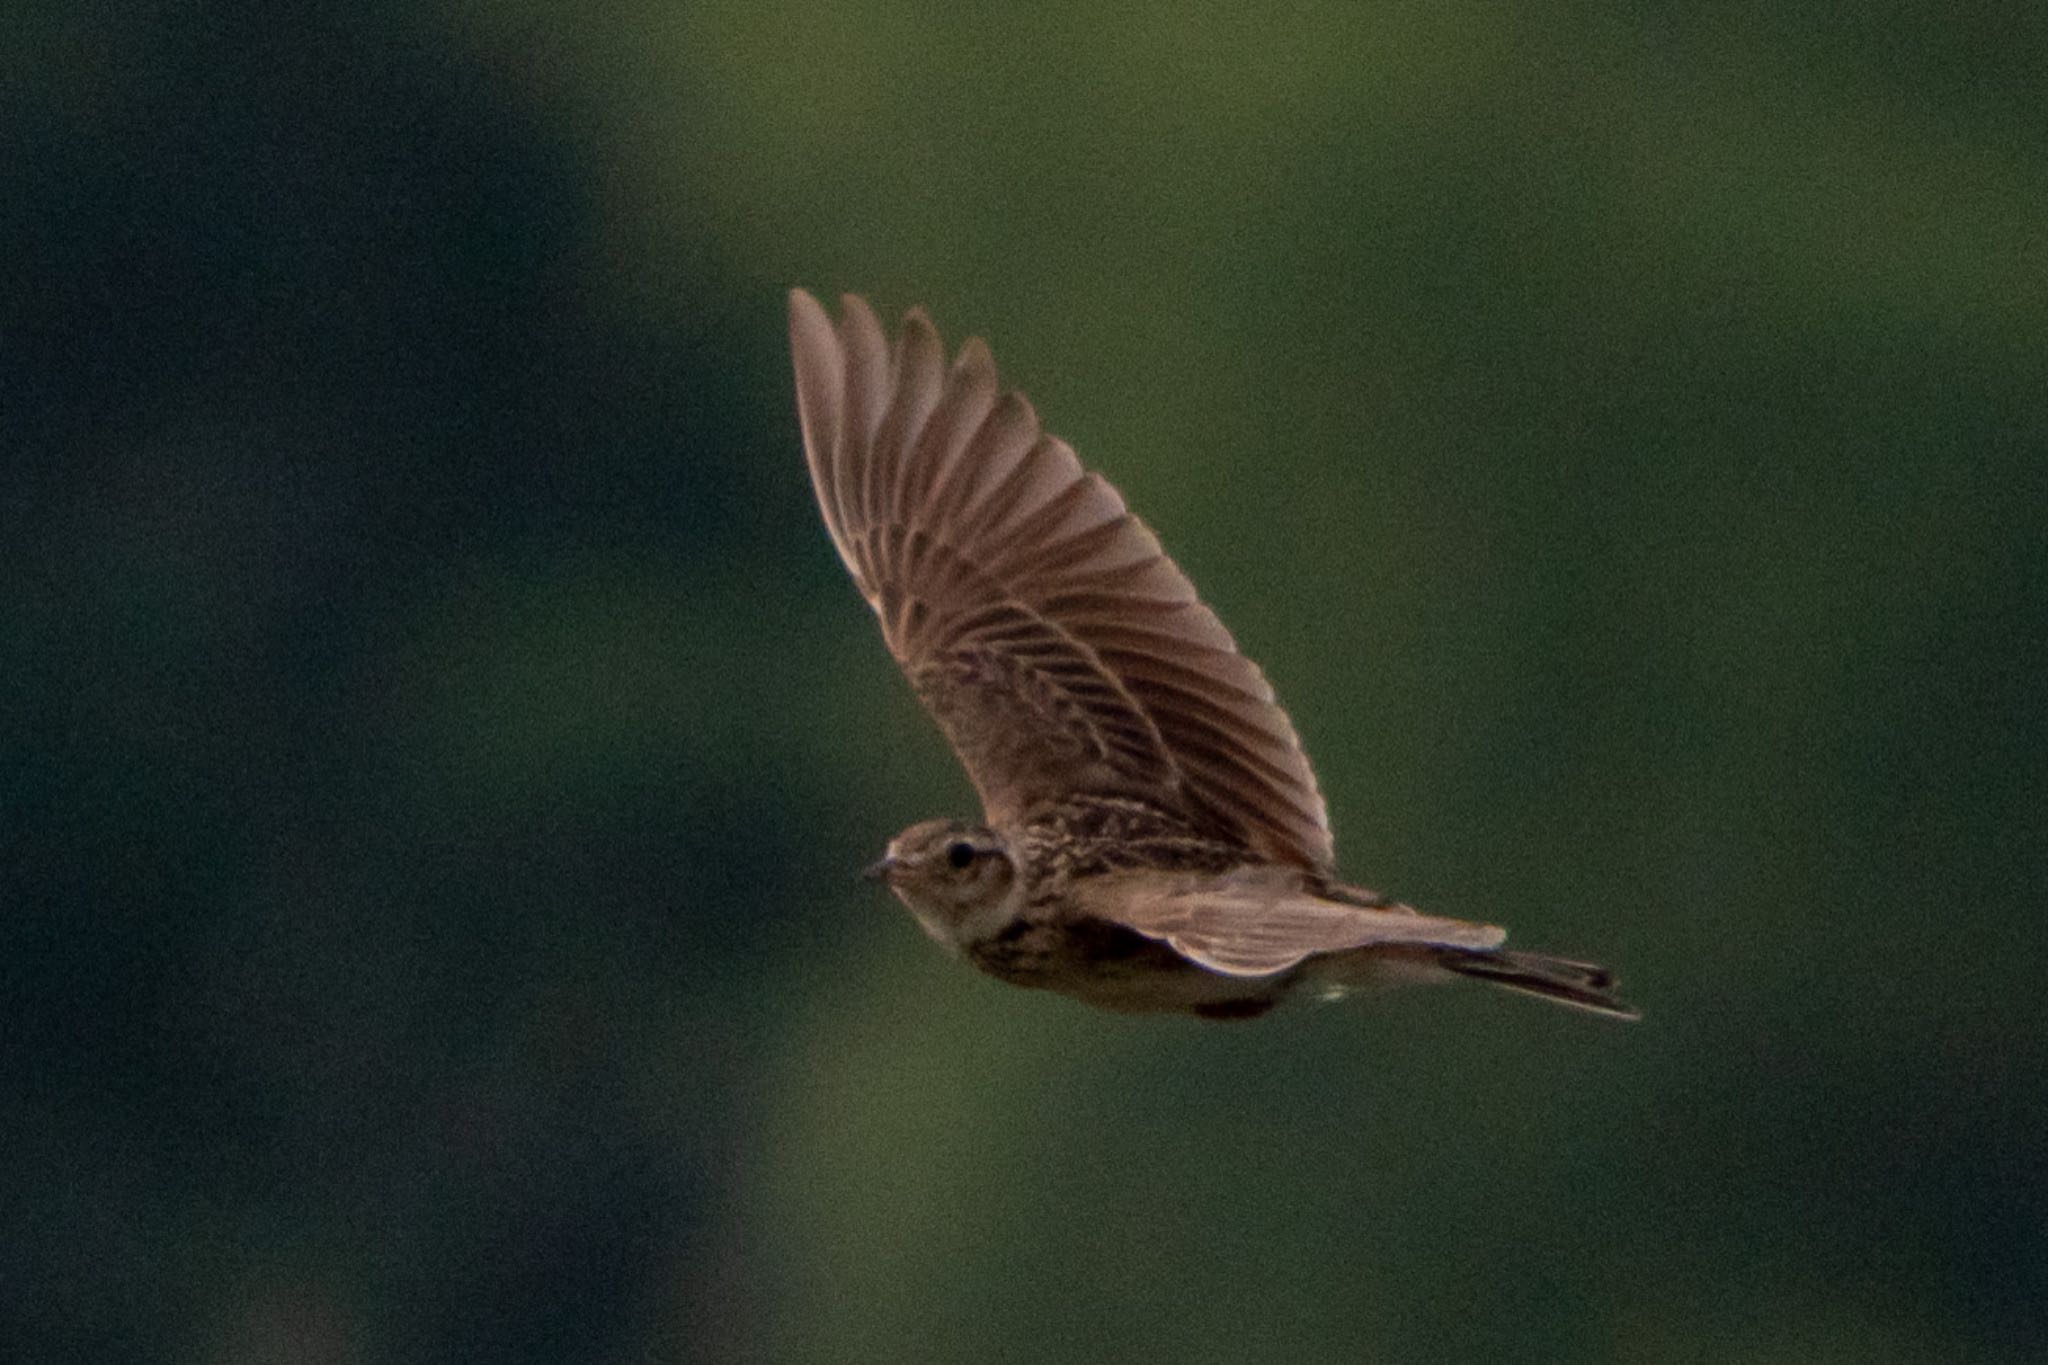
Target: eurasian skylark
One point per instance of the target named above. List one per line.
(1152, 837)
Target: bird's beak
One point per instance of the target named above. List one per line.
(880, 868)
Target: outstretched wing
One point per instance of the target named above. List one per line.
(1058, 647)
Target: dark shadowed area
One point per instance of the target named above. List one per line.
(437, 740)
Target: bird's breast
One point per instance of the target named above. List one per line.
(1101, 962)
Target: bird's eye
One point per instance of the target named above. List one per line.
(960, 853)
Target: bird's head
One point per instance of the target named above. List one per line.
(953, 876)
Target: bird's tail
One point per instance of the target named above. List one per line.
(1578, 984)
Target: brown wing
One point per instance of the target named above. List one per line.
(1057, 645)
(1252, 924)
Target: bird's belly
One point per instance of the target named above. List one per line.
(1116, 968)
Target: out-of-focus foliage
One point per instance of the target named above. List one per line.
(438, 737)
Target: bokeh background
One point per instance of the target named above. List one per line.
(438, 738)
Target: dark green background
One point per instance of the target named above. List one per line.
(438, 737)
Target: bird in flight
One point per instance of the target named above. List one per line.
(1152, 837)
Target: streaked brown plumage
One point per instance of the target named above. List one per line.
(1153, 836)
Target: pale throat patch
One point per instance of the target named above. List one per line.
(928, 919)
(981, 923)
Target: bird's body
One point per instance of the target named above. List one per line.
(1154, 839)
(1074, 855)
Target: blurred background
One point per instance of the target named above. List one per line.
(439, 740)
